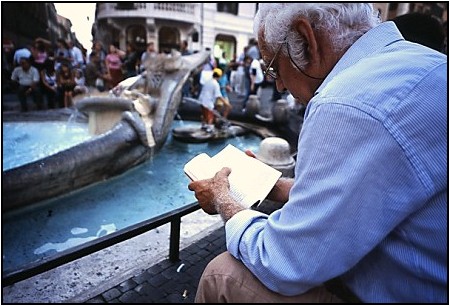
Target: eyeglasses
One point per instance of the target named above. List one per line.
(269, 70)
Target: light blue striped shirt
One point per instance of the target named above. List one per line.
(370, 199)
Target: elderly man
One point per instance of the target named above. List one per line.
(27, 78)
(365, 219)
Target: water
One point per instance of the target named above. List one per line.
(151, 189)
(25, 142)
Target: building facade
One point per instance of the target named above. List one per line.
(23, 22)
(221, 27)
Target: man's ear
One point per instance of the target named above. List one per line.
(304, 28)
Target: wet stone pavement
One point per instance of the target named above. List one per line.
(166, 281)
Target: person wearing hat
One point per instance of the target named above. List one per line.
(208, 96)
(256, 78)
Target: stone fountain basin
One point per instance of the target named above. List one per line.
(97, 159)
(116, 149)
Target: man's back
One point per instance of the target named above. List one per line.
(210, 91)
(398, 93)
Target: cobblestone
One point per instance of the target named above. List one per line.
(161, 283)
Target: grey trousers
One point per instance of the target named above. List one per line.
(227, 280)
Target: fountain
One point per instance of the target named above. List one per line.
(48, 227)
(130, 124)
(43, 199)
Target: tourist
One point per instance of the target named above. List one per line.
(255, 78)
(113, 64)
(80, 83)
(367, 212)
(48, 81)
(39, 54)
(205, 74)
(240, 80)
(24, 52)
(148, 56)
(225, 88)
(184, 48)
(131, 61)
(253, 49)
(28, 80)
(76, 56)
(97, 48)
(62, 53)
(209, 95)
(222, 60)
(94, 75)
(66, 84)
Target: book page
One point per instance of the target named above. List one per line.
(250, 180)
(198, 168)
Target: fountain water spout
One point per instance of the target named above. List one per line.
(145, 106)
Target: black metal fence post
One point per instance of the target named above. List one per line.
(174, 250)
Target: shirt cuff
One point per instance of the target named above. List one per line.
(236, 227)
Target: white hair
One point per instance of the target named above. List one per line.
(343, 22)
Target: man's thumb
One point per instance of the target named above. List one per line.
(225, 171)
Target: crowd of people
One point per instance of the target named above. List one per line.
(243, 75)
(53, 75)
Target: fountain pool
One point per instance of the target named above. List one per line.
(153, 188)
(25, 142)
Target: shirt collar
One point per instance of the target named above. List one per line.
(380, 36)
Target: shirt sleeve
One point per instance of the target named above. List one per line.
(344, 202)
(14, 75)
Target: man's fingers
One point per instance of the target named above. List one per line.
(191, 186)
(250, 153)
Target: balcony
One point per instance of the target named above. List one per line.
(168, 11)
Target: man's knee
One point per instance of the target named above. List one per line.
(227, 280)
(213, 286)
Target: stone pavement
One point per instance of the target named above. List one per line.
(173, 282)
(166, 281)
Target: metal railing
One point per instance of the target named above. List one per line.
(64, 257)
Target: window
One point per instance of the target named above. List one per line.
(125, 6)
(228, 7)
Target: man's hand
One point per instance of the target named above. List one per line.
(209, 192)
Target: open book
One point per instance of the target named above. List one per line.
(250, 179)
